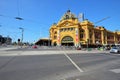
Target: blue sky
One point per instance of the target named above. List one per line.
(39, 15)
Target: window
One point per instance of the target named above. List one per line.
(81, 35)
(90, 31)
(68, 29)
(81, 31)
(97, 35)
(55, 32)
(61, 30)
(65, 29)
(90, 35)
(55, 37)
(71, 29)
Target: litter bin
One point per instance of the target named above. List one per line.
(89, 49)
(98, 48)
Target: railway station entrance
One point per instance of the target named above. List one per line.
(67, 41)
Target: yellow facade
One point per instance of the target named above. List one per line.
(70, 31)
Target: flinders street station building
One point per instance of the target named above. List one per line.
(69, 31)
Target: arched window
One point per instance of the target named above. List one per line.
(82, 33)
(55, 32)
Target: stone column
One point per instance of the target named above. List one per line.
(76, 37)
(115, 40)
(93, 37)
(58, 38)
(102, 37)
(105, 37)
(87, 33)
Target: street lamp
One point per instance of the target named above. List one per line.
(22, 34)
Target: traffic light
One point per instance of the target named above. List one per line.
(18, 40)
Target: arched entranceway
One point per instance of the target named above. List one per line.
(67, 41)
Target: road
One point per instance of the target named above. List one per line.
(14, 65)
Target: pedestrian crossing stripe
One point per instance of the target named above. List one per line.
(115, 70)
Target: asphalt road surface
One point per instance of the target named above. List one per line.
(94, 66)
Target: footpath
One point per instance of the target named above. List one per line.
(4, 51)
(7, 48)
(49, 52)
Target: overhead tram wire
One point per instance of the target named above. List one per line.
(20, 18)
(18, 12)
(6, 16)
(102, 20)
(26, 20)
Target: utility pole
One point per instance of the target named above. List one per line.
(22, 34)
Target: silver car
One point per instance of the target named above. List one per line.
(115, 50)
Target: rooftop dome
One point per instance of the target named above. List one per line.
(68, 15)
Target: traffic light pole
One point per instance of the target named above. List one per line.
(22, 35)
(87, 44)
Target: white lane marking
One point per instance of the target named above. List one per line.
(79, 69)
(115, 70)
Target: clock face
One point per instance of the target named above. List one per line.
(67, 16)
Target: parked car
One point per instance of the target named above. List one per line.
(115, 50)
(34, 46)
